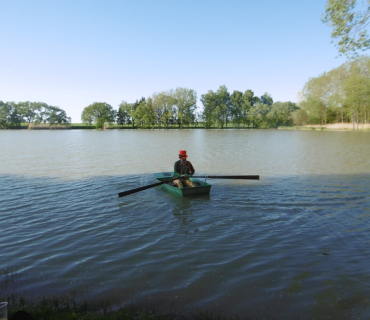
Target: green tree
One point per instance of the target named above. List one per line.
(135, 105)
(258, 115)
(357, 95)
(300, 117)
(209, 101)
(164, 107)
(16, 117)
(338, 95)
(222, 109)
(236, 107)
(30, 110)
(123, 113)
(316, 93)
(144, 113)
(266, 99)
(98, 113)
(249, 100)
(9, 114)
(281, 114)
(350, 20)
(186, 104)
(42, 112)
(5, 114)
(55, 115)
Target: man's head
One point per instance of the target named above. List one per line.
(182, 155)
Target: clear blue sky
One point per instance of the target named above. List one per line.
(72, 53)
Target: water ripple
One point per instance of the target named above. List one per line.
(269, 248)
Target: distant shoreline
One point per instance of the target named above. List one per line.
(81, 126)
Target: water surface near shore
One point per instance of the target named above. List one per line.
(294, 243)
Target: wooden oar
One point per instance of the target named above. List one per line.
(250, 177)
(126, 193)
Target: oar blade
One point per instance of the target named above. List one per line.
(126, 193)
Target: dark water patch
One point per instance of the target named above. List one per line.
(278, 247)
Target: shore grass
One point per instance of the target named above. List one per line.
(79, 126)
(68, 308)
(321, 128)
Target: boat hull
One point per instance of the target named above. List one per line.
(200, 187)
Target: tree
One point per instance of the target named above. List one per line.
(144, 113)
(258, 115)
(29, 110)
(135, 105)
(123, 113)
(98, 113)
(341, 94)
(209, 101)
(55, 115)
(42, 112)
(249, 100)
(186, 104)
(349, 26)
(9, 114)
(222, 106)
(5, 112)
(281, 114)
(300, 117)
(266, 99)
(236, 107)
(164, 107)
(357, 91)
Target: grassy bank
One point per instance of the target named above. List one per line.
(22, 126)
(339, 126)
(79, 126)
(68, 309)
(301, 128)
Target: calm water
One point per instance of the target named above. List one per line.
(294, 245)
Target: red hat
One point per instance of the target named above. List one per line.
(182, 154)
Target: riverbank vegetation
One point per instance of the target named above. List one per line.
(341, 95)
(68, 308)
(177, 109)
(14, 114)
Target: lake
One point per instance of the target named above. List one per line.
(293, 245)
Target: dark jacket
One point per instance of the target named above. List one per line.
(180, 169)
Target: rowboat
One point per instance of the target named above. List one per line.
(200, 187)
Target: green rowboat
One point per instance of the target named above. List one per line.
(200, 187)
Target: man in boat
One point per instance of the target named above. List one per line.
(184, 169)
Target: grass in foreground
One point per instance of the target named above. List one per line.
(68, 309)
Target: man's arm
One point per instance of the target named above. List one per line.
(191, 168)
(176, 168)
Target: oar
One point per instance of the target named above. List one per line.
(126, 193)
(250, 177)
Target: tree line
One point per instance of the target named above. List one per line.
(340, 95)
(168, 108)
(13, 114)
(178, 108)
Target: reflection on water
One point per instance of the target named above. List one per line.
(294, 243)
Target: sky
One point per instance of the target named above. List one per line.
(73, 53)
